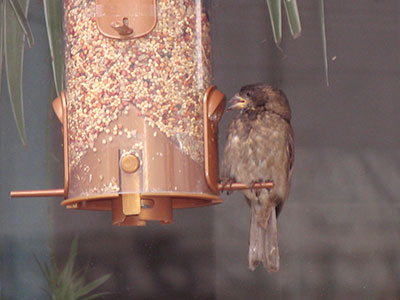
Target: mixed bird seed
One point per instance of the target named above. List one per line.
(163, 75)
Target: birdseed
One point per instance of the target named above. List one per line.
(164, 75)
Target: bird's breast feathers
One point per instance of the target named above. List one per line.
(254, 146)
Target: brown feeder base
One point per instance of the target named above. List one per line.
(136, 209)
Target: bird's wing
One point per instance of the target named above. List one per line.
(290, 153)
(290, 163)
(233, 149)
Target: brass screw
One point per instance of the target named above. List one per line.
(130, 163)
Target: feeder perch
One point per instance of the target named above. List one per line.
(139, 114)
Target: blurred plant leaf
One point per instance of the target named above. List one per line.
(275, 14)
(292, 12)
(67, 285)
(93, 285)
(14, 56)
(293, 17)
(1, 39)
(53, 16)
(20, 14)
(324, 47)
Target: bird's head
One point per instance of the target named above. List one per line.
(261, 97)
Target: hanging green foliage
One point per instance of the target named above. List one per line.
(1, 39)
(324, 47)
(275, 14)
(292, 12)
(15, 28)
(20, 14)
(53, 15)
(293, 16)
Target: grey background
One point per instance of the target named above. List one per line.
(340, 230)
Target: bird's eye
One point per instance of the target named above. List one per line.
(249, 93)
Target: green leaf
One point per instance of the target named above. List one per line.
(53, 16)
(275, 14)
(67, 272)
(14, 56)
(293, 17)
(1, 38)
(19, 13)
(94, 284)
(42, 268)
(95, 296)
(325, 51)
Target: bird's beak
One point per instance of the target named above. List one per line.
(237, 103)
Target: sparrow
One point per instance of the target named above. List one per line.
(260, 148)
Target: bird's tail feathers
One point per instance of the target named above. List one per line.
(263, 241)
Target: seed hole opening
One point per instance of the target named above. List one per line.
(147, 203)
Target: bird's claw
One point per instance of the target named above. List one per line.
(258, 190)
(224, 182)
(253, 190)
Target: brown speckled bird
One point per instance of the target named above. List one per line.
(259, 148)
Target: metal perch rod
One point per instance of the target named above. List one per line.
(242, 186)
(60, 192)
(38, 193)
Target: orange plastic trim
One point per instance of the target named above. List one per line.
(213, 107)
(65, 141)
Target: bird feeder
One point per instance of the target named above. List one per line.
(139, 113)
